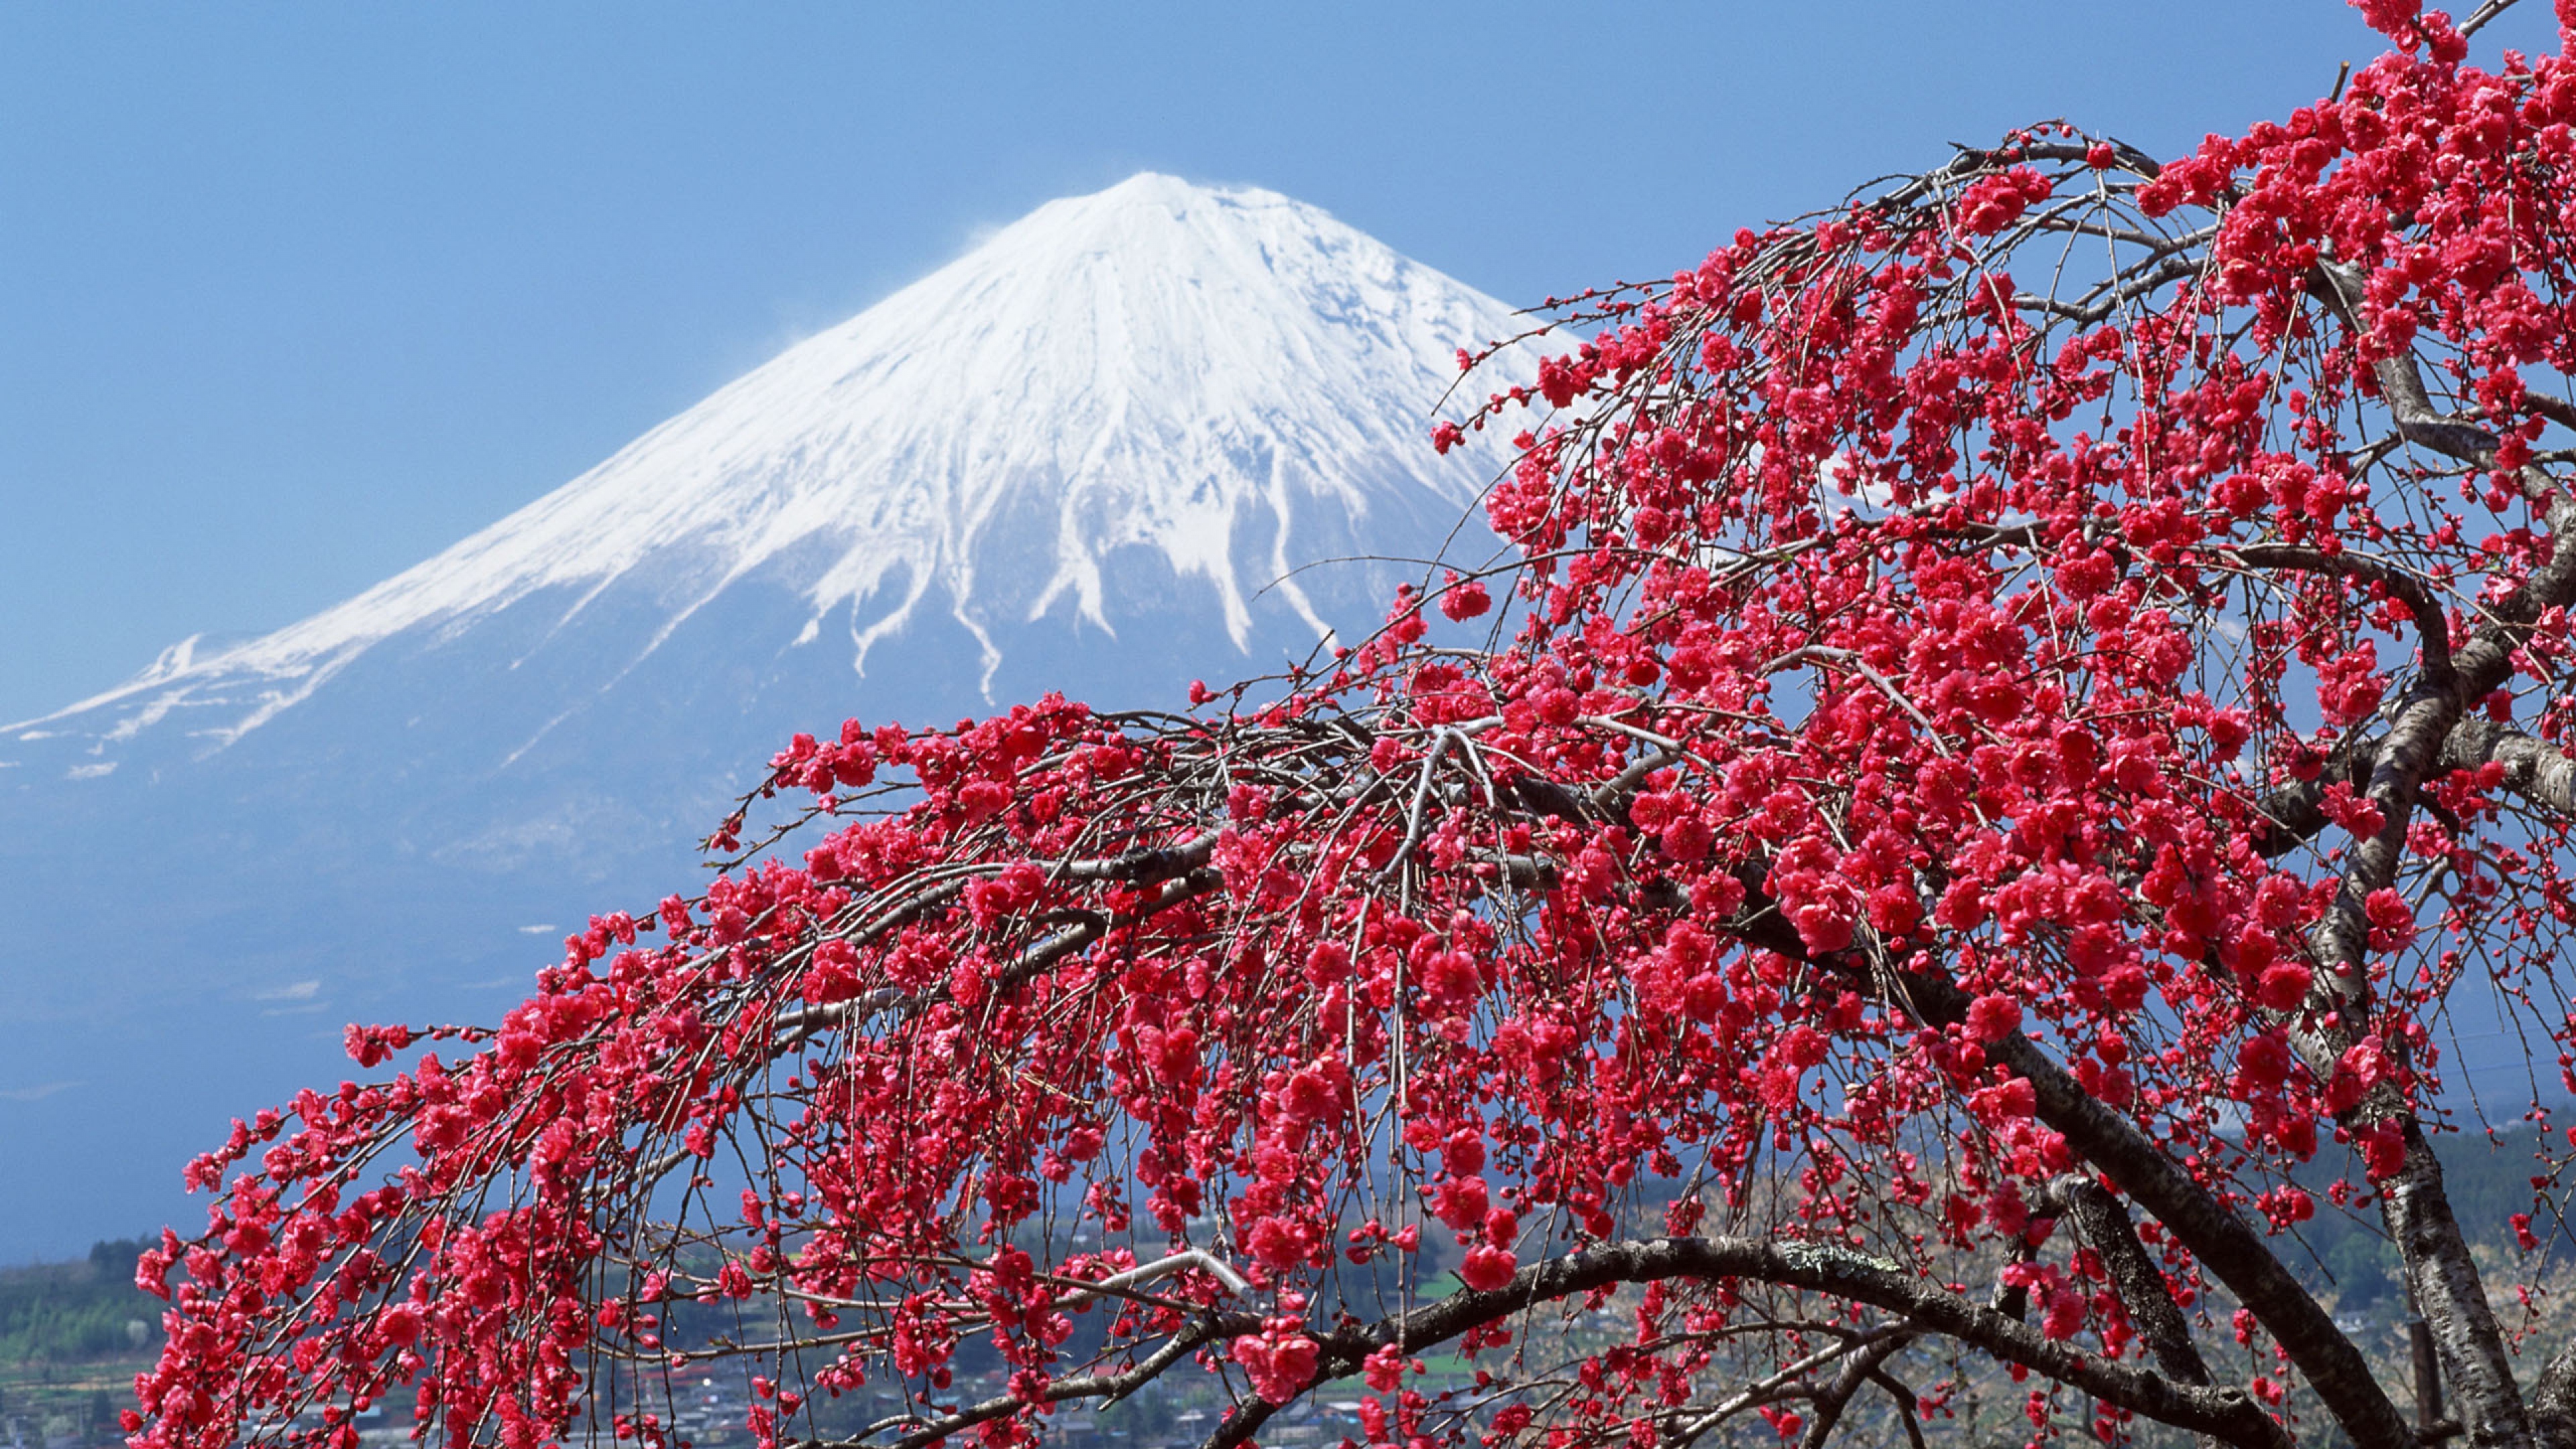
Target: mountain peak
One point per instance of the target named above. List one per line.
(1222, 384)
(1156, 188)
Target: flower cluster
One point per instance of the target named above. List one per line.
(1941, 750)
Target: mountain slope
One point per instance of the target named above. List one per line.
(1227, 383)
(1102, 452)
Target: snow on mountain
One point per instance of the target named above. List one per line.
(1104, 452)
(1227, 380)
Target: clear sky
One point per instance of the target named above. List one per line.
(294, 295)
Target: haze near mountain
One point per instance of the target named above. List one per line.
(1093, 454)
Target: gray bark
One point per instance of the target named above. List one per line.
(2445, 1279)
(2553, 1401)
(2134, 1276)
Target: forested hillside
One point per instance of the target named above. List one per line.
(79, 1311)
(72, 1336)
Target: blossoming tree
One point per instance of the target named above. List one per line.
(2016, 709)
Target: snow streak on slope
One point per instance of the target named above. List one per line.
(1228, 380)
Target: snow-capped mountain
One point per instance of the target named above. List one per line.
(1227, 384)
(1108, 450)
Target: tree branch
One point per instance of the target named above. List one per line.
(2114, 1145)
(1863, 1368)
(1146, 866)
(2413, 1203)
(2536, 770)
(2553, 1401)
(2432, 626)
(2226, 1414)
(1109, 1387)
(2217, 1236)
(2295, 814)
(2140, 1283)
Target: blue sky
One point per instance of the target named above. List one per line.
(292, 296)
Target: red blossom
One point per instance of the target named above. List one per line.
(1486, 1269)
(1951, 751)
